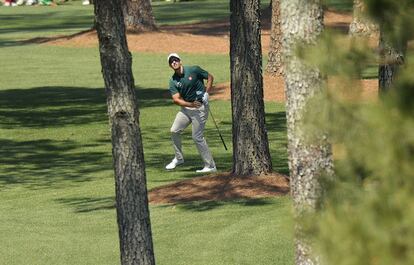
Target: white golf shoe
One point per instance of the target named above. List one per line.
(207, 170)
(174, 163)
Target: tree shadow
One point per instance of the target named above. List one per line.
(218, 25)
(23, 22)
(42, 107)
(276, 122)
(211, 205)
(203, 206)
(220, 187)
(89, 204)
(46, 163)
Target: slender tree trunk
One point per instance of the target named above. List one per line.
(361, 25)
(127, 150)
(138, 15)
(251, 154)
(302, 23)
(391, 58)
(275, 65)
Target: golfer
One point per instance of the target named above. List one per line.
(188, 91)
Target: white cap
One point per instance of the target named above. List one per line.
(172, 55)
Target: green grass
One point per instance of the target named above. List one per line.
(26, 22)
(193, 11)
(56, 177)
(339, 5)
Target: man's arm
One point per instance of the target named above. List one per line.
(209, 84)
(177, 99)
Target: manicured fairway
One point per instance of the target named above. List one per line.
(56, 178)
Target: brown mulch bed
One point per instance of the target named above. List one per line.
(201, 38)
(220, 187)
(204, 38)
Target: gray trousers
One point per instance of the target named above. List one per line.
(198, 118)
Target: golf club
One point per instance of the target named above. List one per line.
(221, 137)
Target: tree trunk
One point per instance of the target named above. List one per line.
(127, 150)
(302, 23)
(275, 65)
(138, 15)
(251, 154)
(390, 60)
(361, 25)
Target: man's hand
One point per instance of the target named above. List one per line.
(195, 104)
(205, 98)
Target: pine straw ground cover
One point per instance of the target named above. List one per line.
(219, 187)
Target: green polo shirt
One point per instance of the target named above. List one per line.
(190, 85)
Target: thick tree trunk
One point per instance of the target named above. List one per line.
(361, 25)
(302, 23)
(275, 65)
(130, 180)
(251, 154)
(138, 15)
(391, 58)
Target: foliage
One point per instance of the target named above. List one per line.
(395, 17)
(366, 212)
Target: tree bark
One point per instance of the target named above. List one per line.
(275, 65)
(251, 154)
(130, 181)
(361, 25)
(138, 15)
(391, 58)
(302, 23)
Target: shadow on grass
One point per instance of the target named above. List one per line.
(88, 204)
(43, 107)
(276, 124)
(211, 205)
(23, 23)
(189, 11)
(46, 163)
(202, 206)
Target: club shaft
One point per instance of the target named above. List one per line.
(218, 130)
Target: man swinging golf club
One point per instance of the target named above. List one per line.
(188, 91)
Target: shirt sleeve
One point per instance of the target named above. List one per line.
(201, 73)
(172, 87)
